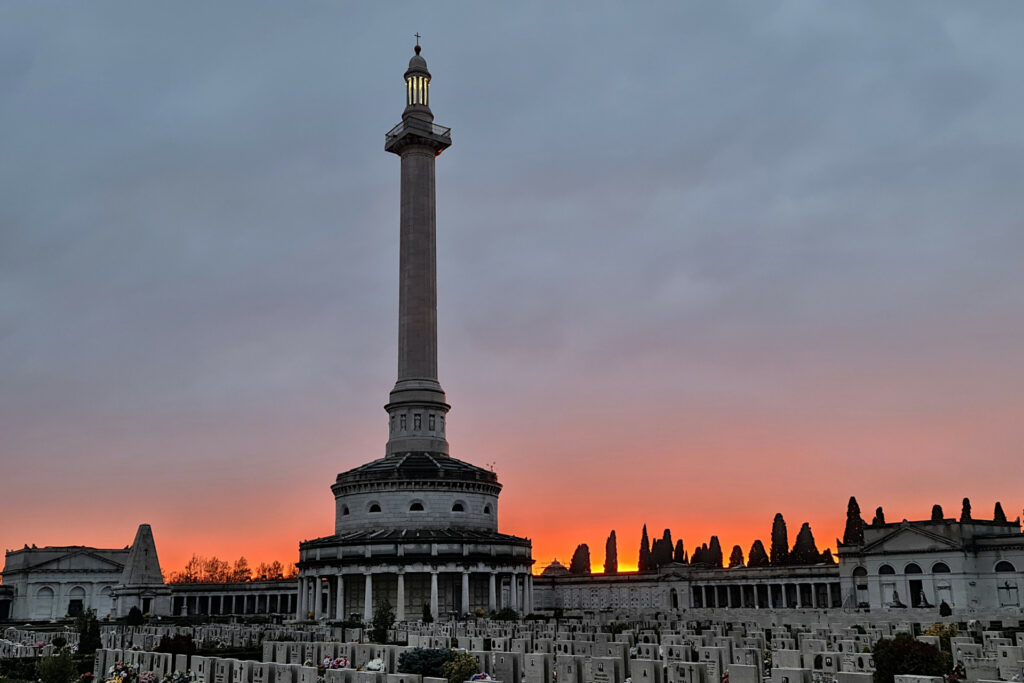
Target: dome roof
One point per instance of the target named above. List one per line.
(418, 466)
(556, 568)
(417, 64)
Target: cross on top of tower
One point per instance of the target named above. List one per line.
(417, 48)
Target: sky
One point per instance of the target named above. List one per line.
(698, 263)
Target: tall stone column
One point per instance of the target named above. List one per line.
(368, 599)
(417, 405)
(339, 605)
(400, 609)
(516, 603)
(433, 595)
(492, 592)
(318, 598)
(465, 591)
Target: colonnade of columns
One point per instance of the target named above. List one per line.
(768, 595)
(324, 595)
(235, 603)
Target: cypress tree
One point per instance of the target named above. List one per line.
(854, 532)
(611, 554)
(965, 511)
(805, 550)
(714, 552)
(580, 563)
(937, 513)
(998, 515)
(736, 557)
(644, 563)
(780, 541)
(826, 557)
(757, 557)
(679, 554)
(879, 519)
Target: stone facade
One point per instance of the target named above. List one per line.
(48, 583)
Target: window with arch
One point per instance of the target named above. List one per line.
(940, 568)
(885, 570)
(860, 571)
(458, 507)
(1006, 586)
(487, 509)
(416, 507)
(344, 510)
(374, 507)
(1004, 566)
(912, 568)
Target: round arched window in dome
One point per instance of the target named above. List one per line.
(458, 507)
(374, 507)
(416, 507)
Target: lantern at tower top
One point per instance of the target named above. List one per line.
(417, 86)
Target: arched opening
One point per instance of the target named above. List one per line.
(890, 597)
(915, 585)
(374, 507)
(416, 507)
(76, 601)
(1006, 586)
(487, 509)
(940, 568)
(860, 586)
(44, 603)
(344, 510)
(673, 598)
(943, 587)
(458, 507)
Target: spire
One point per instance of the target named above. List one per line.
(417, 87)
(143, 566)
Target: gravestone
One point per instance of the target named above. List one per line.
(744, 673)
(646, 671)
(537, 667)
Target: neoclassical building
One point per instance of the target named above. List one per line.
(44, 584)
(416, 527)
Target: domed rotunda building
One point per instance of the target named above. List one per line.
(417, 528)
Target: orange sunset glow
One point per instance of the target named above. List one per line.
(694, 267)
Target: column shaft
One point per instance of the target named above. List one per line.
(492, 593)
(400, 609)
(433, 595)
(368, 599)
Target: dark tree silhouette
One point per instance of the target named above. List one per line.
(879, 519)
(854, 532)
(661, 552)
(644, 563)
(780, 541)
(580, 563)
(736, 557)
(679, 554)
(611, 554)
(805, 551)
(757, 557)
(998, 515)
(937, 513)
(700, 555)
(826, 557)
(965, 511)
(714, 552)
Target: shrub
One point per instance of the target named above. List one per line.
(383, 618)
(59, 642)
(88, 627)
(57, 669)
(459, 667)
(905, 655)
(425, 661)
(505, 614)
(181, 644)
(135, 617)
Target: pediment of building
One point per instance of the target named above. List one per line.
(909, 539)
(79, 560)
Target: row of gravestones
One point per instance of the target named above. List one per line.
(224, 670)
(10, 648)
(28, 637)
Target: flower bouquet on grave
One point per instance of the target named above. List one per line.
(376, 664)
(180, 677)
(122, 673)
(336, 663)
(481, 677)
(147, 677)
